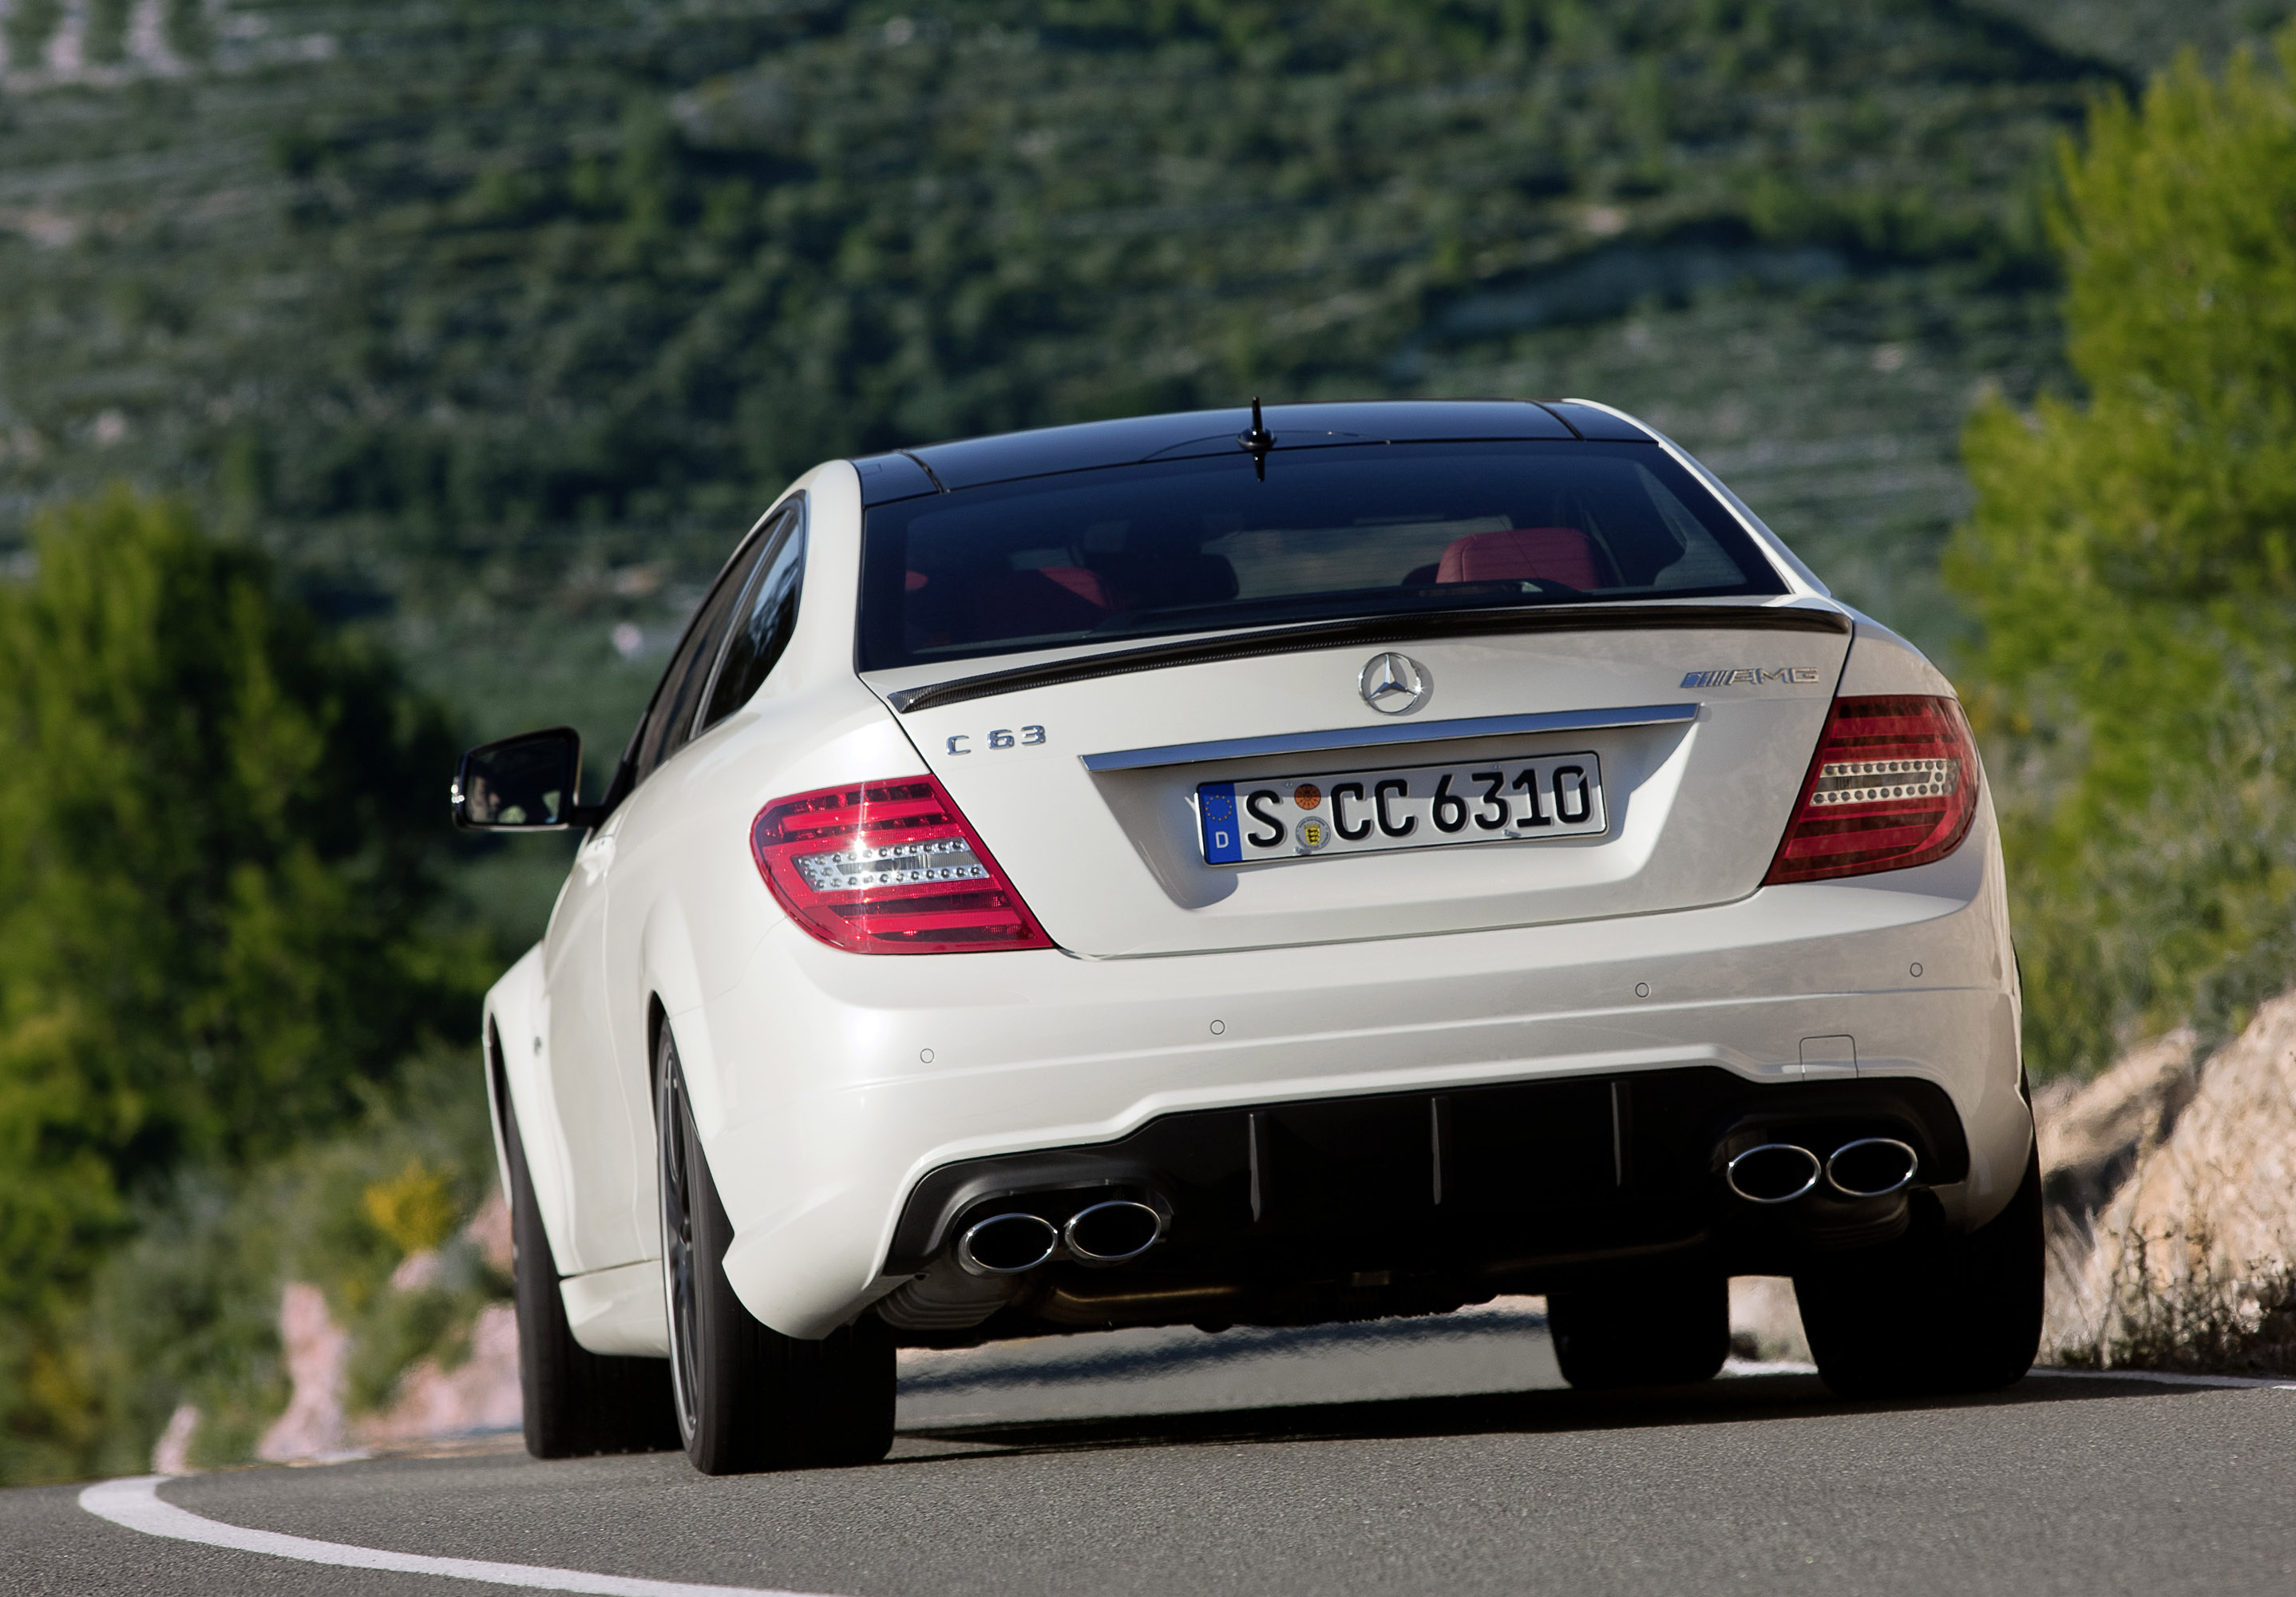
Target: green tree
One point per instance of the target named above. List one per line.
(219, 825)
(2132, 557)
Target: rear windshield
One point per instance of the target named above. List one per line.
(1188, 546)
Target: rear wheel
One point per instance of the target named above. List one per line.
(748, 1398)
(1668, 1334)
(576, 1403)
(1931, 1314)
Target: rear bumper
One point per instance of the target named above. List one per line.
(828, 1086)
(1335, 1208)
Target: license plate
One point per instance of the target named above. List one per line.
(1419, 806)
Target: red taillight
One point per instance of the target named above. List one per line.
(888, 867)
(1893, 784)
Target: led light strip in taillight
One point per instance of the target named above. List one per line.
(888, 867)
(1893, 783)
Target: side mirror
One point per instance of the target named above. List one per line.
(524, 783)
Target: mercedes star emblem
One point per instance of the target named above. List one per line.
(1395, 683)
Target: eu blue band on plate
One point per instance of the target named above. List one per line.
(1216, 813)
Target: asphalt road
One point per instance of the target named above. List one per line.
(1437, 1456)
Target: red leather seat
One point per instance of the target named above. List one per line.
(1562, 554)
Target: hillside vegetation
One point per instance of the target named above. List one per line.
(488, 315)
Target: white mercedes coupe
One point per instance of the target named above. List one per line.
(1242, 869)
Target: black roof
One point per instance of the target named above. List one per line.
(973, 462)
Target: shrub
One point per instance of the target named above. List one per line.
(220, 826)
(2173, 1302)
(2132, 558)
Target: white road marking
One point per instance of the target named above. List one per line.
(2168, 1377)
(1736, 1366)
(135, 1504)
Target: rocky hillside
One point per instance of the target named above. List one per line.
(2172, 1221)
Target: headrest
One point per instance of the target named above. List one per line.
(1562, 554)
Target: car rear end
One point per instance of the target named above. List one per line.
(1447, 853)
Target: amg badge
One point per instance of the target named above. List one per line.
(1750, 677)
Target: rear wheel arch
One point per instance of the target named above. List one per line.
(745, 1396)
(497, 1093)
(688, 1027)
(573, 1402)
(656, 1022)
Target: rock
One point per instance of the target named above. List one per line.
(172, 1453)
(315, 1347)
(431, 1403)
(416, 1270)
(481, 1393)
(2199, 1230)
(2092, 1132)
(1766, 1321)
(489, 1229)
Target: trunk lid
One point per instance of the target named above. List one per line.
(1081, 771)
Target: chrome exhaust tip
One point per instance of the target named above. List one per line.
(1109, 1233)
(1006, 1244)
(1773, 1172)
(1872, 1167)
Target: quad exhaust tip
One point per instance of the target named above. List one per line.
(1109, 1233)
(1781, 1172)
(1101, 1233)
(1871, 1167)
(1773, 1172)
(1006, 1244)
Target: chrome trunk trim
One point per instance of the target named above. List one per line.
(1390, 735)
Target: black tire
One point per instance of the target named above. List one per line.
(1674, 1332)
(748, 1398)
(1933, 1314)
(576, 1403)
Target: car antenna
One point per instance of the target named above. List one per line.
(1256, 442)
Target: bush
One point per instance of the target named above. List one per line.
(219, 829)
(2132, 558)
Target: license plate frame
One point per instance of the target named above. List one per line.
(1274, 819)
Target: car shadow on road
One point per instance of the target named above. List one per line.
(1732, 1400)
